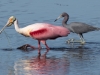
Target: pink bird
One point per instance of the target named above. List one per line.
(39, 31)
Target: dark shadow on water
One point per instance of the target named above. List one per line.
(7, 49)
(88, 42)
(52, 48)
(55, 49)
(92, 42)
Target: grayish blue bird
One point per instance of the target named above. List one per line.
(77, 27)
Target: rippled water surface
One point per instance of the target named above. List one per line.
(63, 58)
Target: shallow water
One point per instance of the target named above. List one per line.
(63, 58)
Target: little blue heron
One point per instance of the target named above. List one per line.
(77, 27)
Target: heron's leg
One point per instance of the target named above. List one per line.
(80, 35)
(82, 39)
(73, 40)
(44, 42)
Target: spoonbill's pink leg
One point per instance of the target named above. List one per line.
(39, 46)
(44, 42)
(39, 51)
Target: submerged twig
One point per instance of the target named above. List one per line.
(8, 39)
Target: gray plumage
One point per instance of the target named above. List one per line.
(76, 27)
(80, 28)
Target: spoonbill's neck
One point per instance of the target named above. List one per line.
(64, 22)
(16, 26)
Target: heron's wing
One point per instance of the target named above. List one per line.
(82, 27)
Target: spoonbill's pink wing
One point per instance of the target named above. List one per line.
(46, 31)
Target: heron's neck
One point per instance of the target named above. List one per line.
(64, 22)
(16, 26)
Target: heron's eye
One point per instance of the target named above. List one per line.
(63, 15)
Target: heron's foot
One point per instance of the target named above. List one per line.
(79, 41)
(82, 42)
(75, 41)
(70, 41)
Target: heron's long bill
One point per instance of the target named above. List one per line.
(58, 18)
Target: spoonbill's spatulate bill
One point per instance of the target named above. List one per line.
(39, 31)
(77, 27)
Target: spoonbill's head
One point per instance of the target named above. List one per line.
(10, 21)
(62, 15)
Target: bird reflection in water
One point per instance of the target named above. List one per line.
(42, 65)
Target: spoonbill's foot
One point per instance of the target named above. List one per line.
(39, 51)
(48, 48)
(39, 47)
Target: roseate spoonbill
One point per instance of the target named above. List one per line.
(39, 31)
(77, 27)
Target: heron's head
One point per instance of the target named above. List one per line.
(62, 15)
(11, 21)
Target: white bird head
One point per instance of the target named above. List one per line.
(10, 21)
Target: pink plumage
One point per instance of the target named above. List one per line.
(42, 32)
(46, 31)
